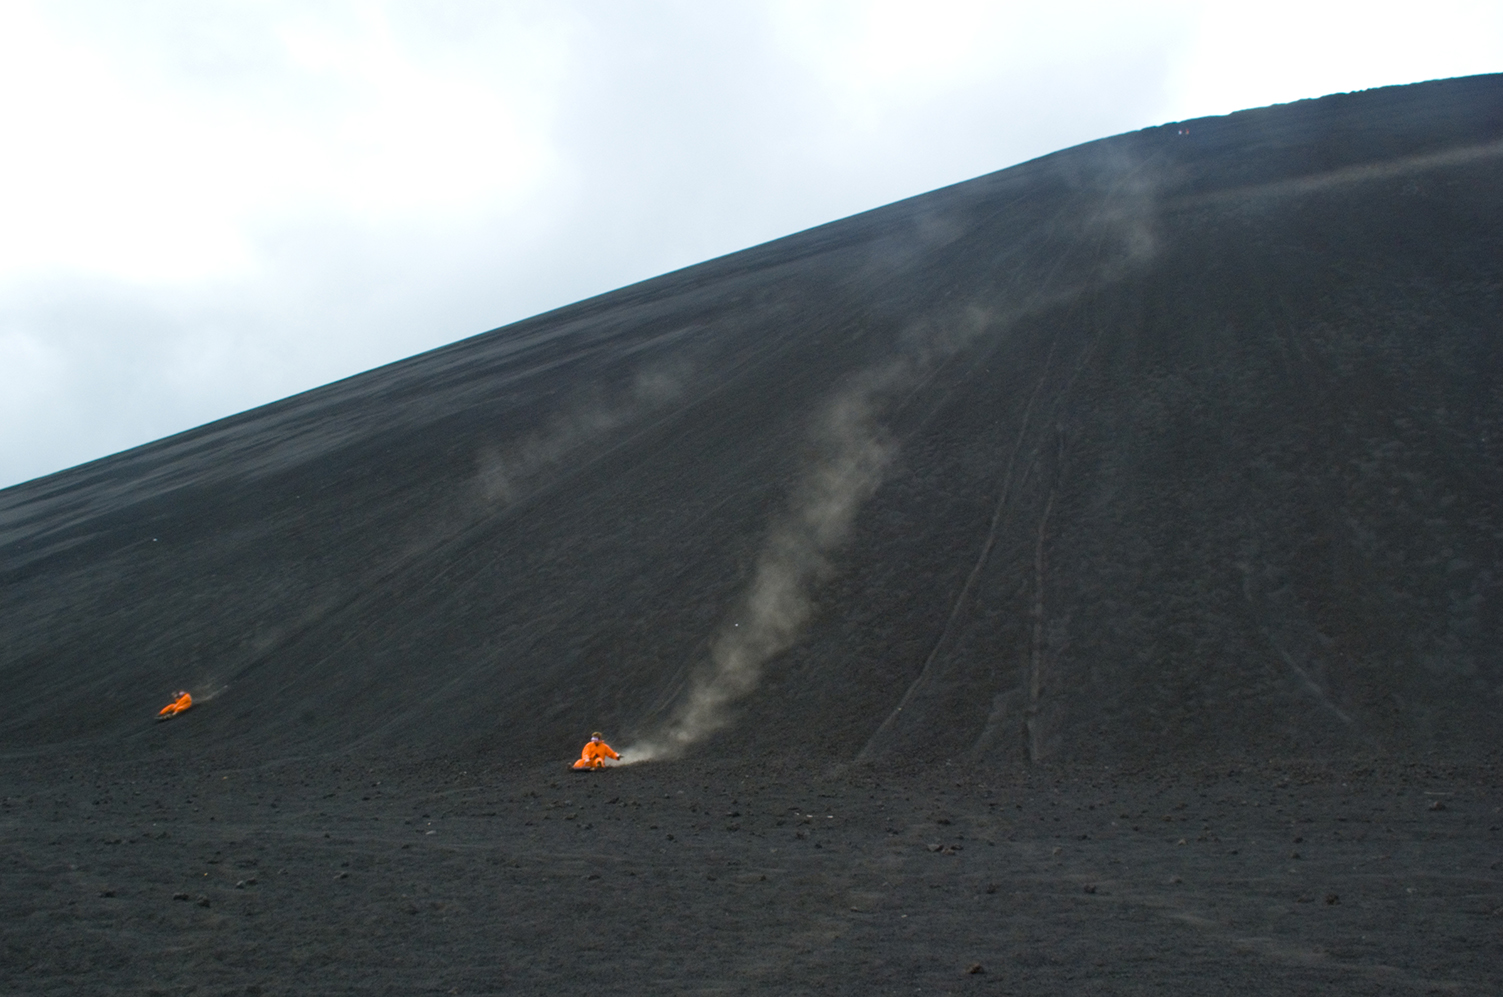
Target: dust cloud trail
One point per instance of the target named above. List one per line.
(212, 692)
(852, 452)
(507, 475)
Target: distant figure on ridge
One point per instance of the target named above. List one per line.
(175, 707)
(595, 753)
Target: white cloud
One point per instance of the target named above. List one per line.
(96, 178)
(414, 138)
(1285, 50)
(155, 177)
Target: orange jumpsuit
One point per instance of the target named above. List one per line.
(594, 755)
(177, 706)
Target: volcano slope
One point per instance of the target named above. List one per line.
(1086, 574)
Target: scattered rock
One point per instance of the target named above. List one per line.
(106, 893)
(974, 968)
(1332, 899)
(203, 901)
(181, 896)
(1438, 805)
(1090, 887)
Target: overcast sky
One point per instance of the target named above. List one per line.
(207, 206)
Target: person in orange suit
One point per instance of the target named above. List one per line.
(175, 707)
(595, 753)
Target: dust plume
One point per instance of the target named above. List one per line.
(211, 692)
(852, 451)
(506, 475)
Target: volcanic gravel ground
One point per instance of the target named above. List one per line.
(469, 878)
(966, 546)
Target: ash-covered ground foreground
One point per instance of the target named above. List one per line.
(1083, 578)
(475, 877)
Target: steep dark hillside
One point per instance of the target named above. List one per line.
(1185, 444)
